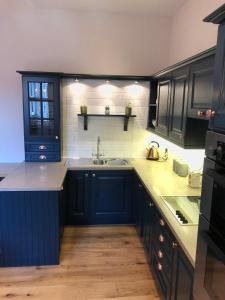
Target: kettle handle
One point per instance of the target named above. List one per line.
(154, 142)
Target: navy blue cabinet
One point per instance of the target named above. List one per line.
(171, 269)
(138, 204)
(99, 197)
(31, 227)
(41, 103)
(78, 197)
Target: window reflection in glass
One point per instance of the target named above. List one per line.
(47, 110)
(35, 127)
(35, 109)
(48, 127)
(47, 90)
(35, 90)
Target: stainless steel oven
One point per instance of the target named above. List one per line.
(209, 281)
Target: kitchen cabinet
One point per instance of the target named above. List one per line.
(200, 87)
(178, 105)
(31, 227)
(138, 204)
(184, 96)
(182, 285)
(171, 268)
(163, 102)
(217, 111)
(41, 105)
(78, 195)
(99, 197)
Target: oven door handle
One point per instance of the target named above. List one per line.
(218, 178)
(217, 251)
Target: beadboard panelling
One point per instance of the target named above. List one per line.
(96, 94)
(29, 228)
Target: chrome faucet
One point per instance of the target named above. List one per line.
(98, 147)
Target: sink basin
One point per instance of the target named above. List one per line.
(117, 162)
(110, 162)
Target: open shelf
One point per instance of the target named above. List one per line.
(125, 117)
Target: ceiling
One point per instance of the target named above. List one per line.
(149, 7)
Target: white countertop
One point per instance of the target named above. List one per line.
(157, 177)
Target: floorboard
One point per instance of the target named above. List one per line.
(100, 262)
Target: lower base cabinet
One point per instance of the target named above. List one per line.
(99, 197)
(171, 268)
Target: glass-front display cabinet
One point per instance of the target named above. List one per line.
(41, 103)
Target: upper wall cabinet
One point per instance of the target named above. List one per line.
(41, 102)
(217, 111)
(200, 87)
(163, 101)
(184, 96)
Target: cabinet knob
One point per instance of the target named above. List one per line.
(174, 245)
(56, 137)
(210, 113)
(140, 185)
(159, 267)
(201, 113)
(160, 254)
(42, 147)
(151, 204)
(161, 238)
(86, 175)
(93, 175)
(162, 222)
(42, 157)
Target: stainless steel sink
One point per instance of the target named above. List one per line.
(110, 162)
(184, 208)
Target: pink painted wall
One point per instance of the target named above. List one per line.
(189, 35)
(61, 40)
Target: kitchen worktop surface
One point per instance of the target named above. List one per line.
(157, 177)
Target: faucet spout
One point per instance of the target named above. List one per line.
(98, 147)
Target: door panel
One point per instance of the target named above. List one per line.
(110, 197)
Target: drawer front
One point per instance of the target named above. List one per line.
(163, 260)
(42, 147)
(158, 269)
(42, 156)
(164, 237)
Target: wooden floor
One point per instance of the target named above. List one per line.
(96, 263)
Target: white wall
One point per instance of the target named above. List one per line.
(190, 35)
(60, 40)
(96, 94)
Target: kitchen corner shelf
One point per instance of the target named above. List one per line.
(125, 117)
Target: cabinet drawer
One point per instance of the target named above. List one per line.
(42, 147)
(158, 269)
(42, 156)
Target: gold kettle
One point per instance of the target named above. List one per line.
(152, 151)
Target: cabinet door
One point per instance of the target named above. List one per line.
(138, 203)
(182, 286)
(178, 106)
(41, 108)
(111, 197)
(217, 121)
(163, 102)
(200, 87)
(77, 198)
(148, 214)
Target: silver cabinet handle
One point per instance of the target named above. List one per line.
(151, 204)
(42, 147)
(93, 175)
(86, 175)
(42, 157)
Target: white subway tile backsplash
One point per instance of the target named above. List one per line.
(96, 94)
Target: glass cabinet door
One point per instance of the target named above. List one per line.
(41, 102)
